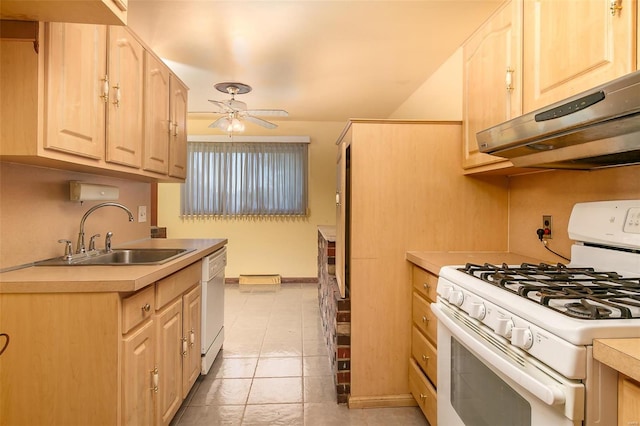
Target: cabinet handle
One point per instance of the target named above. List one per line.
(146, 308)
(184, 346)
(425, 319)
(423, 397)
(615, 7)
(116, 102)
(175, 129)
(105, 89)
(155, 379)
(425, 358)
(426, 286)
(509, 79)
(337, 198)
(192, 338)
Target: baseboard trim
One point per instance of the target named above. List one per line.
(384, 401)
(283, 280)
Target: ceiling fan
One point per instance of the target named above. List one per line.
(235, 112)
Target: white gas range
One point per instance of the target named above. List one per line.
(515, 342)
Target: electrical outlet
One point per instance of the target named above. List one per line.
(142, 213)
(547, 227)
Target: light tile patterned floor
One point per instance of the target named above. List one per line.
(274, 369)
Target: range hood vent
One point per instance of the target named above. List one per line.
(595, 129)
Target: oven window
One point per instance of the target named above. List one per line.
(480, 397)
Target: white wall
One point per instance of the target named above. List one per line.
(439, 97)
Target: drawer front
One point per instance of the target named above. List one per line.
(423, 318)
(425, 354)
(424, 393)
(137, 308)
(424, 283)
(178, 283)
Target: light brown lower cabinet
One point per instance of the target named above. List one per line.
(424, 393)
(138, 371)
(178, 339)
(138, 358)
(101, 358)
(628, 401)
(423, 368)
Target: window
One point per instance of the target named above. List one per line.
(229, 179)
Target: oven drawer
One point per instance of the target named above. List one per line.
(423, 392)
(424, 283)
(137, 308)
(425, 355)
(423, 318)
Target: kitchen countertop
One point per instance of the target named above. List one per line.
(620, 354)
(126, 278)
(432, 261)
(328, 232)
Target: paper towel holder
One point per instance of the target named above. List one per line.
(83, 191)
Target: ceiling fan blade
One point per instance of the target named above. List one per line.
(268, 112)
(220, 123)
(237, 105)
(260, 122)
(224, 107)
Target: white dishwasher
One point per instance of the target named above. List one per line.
(212, 306)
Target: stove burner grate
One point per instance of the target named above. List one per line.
(586, 310)
(577, 292)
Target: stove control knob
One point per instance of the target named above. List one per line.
(477, 311)
(456, 297)
(445, 291)
(504, 327)
(521, 337)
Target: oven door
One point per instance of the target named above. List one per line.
(484, 380)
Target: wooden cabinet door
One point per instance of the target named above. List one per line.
(157, 123)
(75, 62)
(573, 45)
(138, 369)
(492, 58)
(169, 361)
(192, 308)
(125, 114)
(342, 207)
(178, 138)
(628, 401)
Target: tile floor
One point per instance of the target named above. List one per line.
(274, 368)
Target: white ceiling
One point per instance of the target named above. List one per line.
(319, 60)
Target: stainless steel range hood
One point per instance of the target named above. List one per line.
(595, 129)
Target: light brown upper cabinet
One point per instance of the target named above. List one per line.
(178, 136)
(165, 141)
(112, 12)
(532, 53)
(157, 119)
(81, 91)
(125, 101)
(492, 82)
(77, 89)
(574, 45)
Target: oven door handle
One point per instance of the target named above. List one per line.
(549, 394)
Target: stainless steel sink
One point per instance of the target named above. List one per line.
(133, 256)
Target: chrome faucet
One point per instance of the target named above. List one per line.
(81, 247)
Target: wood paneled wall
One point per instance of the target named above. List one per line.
(554, 193)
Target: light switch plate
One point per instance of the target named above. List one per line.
(142, 214)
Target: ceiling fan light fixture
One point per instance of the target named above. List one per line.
(235, 125)
(236, 112)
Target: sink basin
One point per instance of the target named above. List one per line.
(133, 256)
